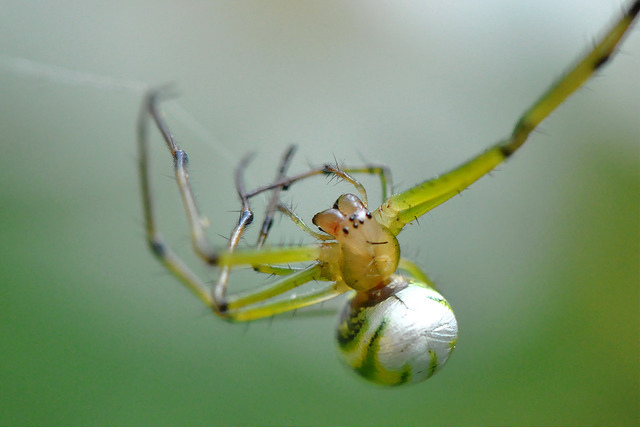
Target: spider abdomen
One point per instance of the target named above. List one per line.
(400, 334)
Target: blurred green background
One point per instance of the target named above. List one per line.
(540, 261)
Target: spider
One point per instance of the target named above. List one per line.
(395, 328)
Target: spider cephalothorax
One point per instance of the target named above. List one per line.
(367, 252)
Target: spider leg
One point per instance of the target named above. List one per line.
(282, 306)
(402, 208)
(279, 270)
(273, 255)
(343, 173)
(155, 240)
(383, 172)
(275, 270)
(245, 218)
(303, 226)
(262, 256)
(256, 304)
(197, 223)
(415, 271)
(275, 196)
(285, 284)
(270, 211)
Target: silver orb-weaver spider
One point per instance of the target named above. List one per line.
(395, 327)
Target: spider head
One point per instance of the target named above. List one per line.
(369, 252)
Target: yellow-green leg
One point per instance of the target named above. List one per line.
(404, 207)
(415, 271)
(282, 306)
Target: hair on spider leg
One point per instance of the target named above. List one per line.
(223, 236)
(319, 310)
(335, 161)
(271, 320)
(396, 297)
(415, 221)
(329, 171)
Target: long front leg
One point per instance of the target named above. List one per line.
(405, 207)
